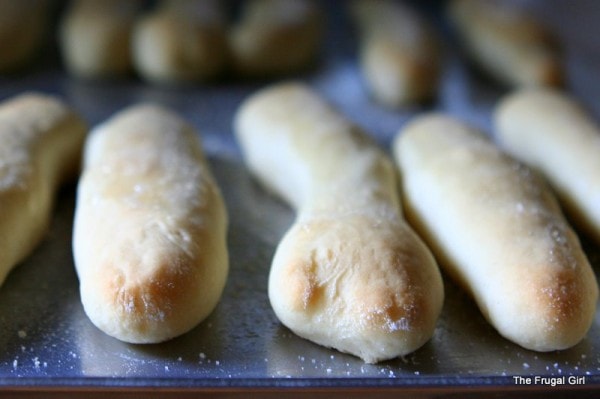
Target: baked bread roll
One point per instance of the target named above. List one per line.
(23, 26)
(553, 134)
(399, 53)
(505, 42)
(498, 230)
(149, 237)
(95, 37)
(350, 274)
(181, 41)
(275, 37)
(40, 147)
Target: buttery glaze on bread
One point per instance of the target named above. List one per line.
(553, 134)
(150, 228)
(181, 41)
(511, 46)
(399, 53)
(95, 37)
(275, 37)
(40, 147)
(497, 228)
(350, 273)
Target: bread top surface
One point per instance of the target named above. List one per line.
(350, 273)
(554, 134)
(150, 227)
(33, 127)
(544, 112)
(40, 147)
(148, 158)
(330, 158)
(497, 229)
(502, 197)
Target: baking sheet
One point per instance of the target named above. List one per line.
(47, 340)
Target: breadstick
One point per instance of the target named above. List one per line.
(150, 225)
(499, 231)
(275, 37)
(509, 45)
(181, 41)
(40, 148)
(95, 37)
(399, 53)
(22, 27)
(350, 273)
(552, 133)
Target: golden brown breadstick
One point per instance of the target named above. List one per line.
(553, 134)
(498, 229)
(399, 55)
(350, 273)
(181, 41)
(509, 45)
(95, 37)
(150, 228)
(40, 147)
(276, 37)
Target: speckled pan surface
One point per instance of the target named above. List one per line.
(46, 339)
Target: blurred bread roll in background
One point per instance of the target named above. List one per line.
(181, 41)
(507, 43)
(399, 52)
(95, 37)
(23, 25)
(276, 37)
